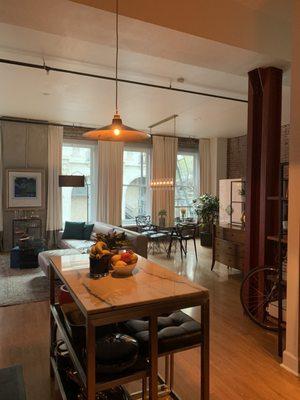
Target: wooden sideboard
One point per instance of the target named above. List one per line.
(229, 246)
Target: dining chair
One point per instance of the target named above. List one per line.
(144, 225)
(183, 233)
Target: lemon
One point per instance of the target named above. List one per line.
(120, 264)
(115, 258)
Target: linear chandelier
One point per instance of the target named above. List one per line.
(117, 131)
(162, 183)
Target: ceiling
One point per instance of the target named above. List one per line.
(82, 39)
(260, 26)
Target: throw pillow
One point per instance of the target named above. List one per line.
(87, 231)
(73, 230)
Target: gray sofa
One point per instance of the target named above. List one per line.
(139, 244)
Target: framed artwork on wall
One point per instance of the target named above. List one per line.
(25, 188)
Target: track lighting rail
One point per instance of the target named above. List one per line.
(48, 69)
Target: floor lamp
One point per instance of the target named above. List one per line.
(75, 181)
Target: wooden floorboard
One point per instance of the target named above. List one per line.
(244, 365)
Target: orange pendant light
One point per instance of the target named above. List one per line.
(117, 131)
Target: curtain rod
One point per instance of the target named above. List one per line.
(41, 122)
(48, 68)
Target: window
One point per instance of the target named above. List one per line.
(186, 189)
(136, 197)
(78, 203)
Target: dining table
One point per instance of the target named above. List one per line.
(150, 291)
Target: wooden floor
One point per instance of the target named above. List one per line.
(244, 365)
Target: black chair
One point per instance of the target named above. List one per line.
(144, 225)
(156, 239)
(183, 233)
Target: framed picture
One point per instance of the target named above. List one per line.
(25, 188)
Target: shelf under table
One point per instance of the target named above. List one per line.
(103, 381)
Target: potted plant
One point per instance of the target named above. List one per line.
(206, 207)
(162, 218)
(114, 240)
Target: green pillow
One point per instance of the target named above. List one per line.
(73, 230)
(87, 231)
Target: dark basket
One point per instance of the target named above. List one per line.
(115, 353)
(100, 267)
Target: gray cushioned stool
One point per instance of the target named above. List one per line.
(176, 332)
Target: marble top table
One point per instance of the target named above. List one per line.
(150, 291)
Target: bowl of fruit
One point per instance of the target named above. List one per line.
(124, 263)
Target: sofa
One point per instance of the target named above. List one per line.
(138, 242)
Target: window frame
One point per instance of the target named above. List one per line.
(138, 149)
(196, 167)
(93, 186)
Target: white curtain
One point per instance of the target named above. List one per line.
(164, 159)
(1, 194)
(205, 166)
(54, 220)
(110, 182)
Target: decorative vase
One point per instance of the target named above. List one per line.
(243, 218)
(183, 213)
(99, 267)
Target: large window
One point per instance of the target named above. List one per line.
(136, 197)
(78, 203)
(187, 178)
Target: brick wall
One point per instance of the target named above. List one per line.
(236, 157)
(285, 131)
(237, 153)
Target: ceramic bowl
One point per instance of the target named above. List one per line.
(124, 270)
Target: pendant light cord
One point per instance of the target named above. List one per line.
(117, 52)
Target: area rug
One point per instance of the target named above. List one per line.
(19, 286)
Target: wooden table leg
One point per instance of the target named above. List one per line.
(167, 370)
(172, 371)
(153, 379)
(144, 389)
(205, 351)
(91, 361)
